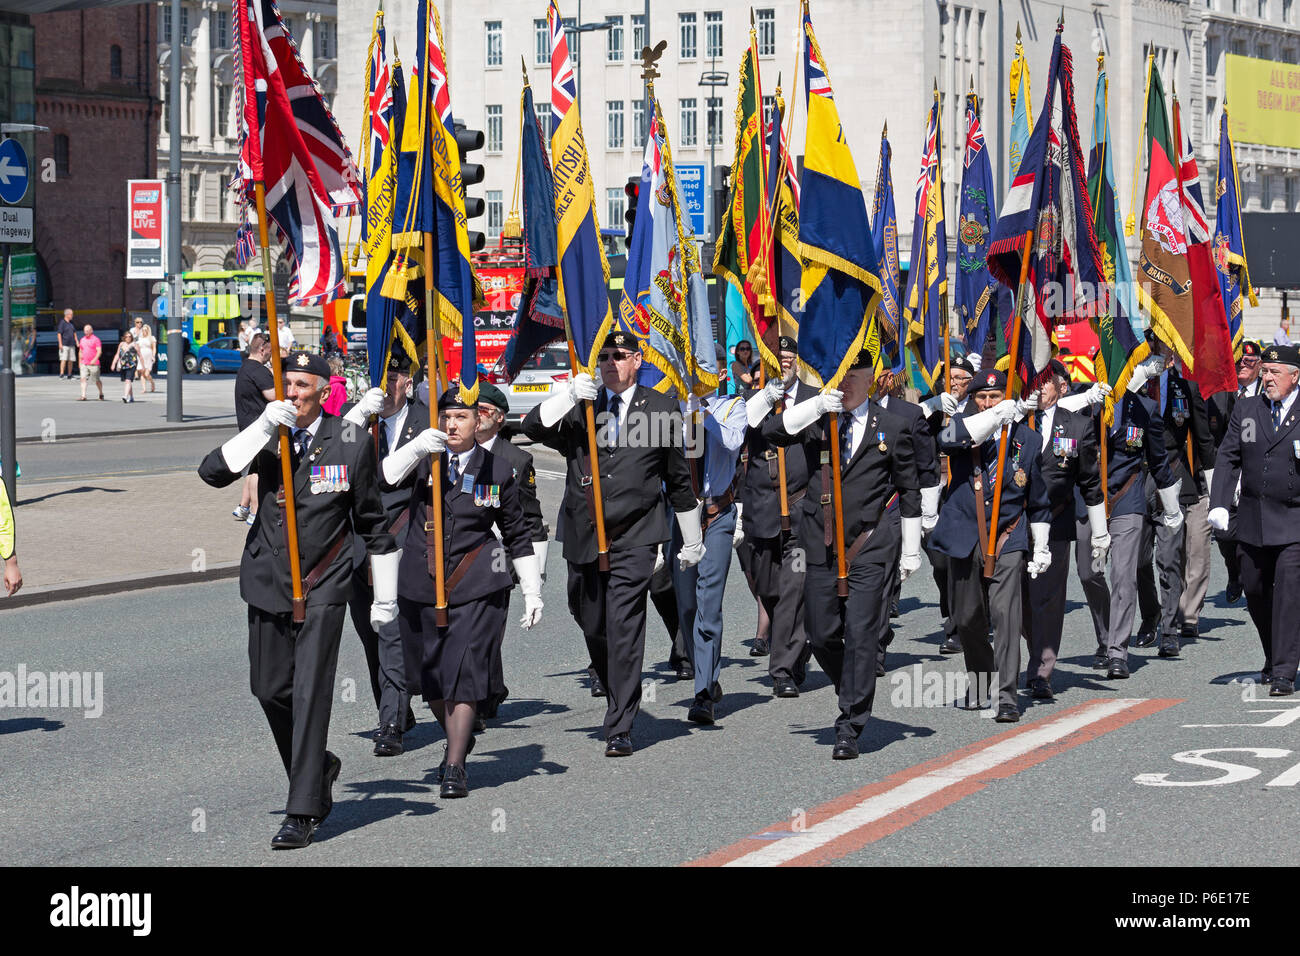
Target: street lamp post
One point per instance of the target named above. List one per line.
(175, 302)
(580, 29)
(711, 80)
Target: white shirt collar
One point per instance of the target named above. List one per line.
(488, 444)
(314, 426)
(625, 400)
(1288, 402)
(395, 421)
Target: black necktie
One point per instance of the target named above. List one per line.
(846, 437)
(615, 404)
(1277, 414)
(383, 439)
(301, 439)
(453, 473)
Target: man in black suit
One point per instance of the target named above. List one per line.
(768, 552)
(1069, 460)
(972, 442)
(878, 484)
(1262, 447)
(400, 419)
(492, 408)
(292, 662)
(1219, 409)
(640, 453)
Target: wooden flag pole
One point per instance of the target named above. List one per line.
(842, 572)
(602, 546)
(990, 554)
(277, 370)
(433, 346)
(1105, 441)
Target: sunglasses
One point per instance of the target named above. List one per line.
(613, 356)
(743, 348)
(1249, 361)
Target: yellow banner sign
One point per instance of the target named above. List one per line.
(1263, 101)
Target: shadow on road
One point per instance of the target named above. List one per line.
(17, 725)
(84, 489)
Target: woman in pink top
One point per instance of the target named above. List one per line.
(338, 388)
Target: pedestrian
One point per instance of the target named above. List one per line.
(254, 387)
(742, 368)
(329, 342)
(1263, 433)
(245, 334)
(480, 499)
(13, 577)
(338, 387)
(136, 330)
(293, 644)
(91, 350)
(285, 334)
(125, 362)
(879, 504)
(1283, 334)
(146, 344)
(67, 345)
(641, 453)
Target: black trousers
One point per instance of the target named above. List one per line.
(975, 602)
(291, 671)
(777, 583)
(845, 635)
(1271, 579)
(939, 564)
(1231, 559)
(611, 608)
(385, 661)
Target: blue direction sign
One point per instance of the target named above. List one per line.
(690, 178)
(13, 171)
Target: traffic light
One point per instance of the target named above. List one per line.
(721, 196)
(633, 192)
(471, 174)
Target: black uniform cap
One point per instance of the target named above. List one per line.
(1283, 355)
(451, 399)
(787, 344)
(988, 381)
(618, 339)
(308, 362)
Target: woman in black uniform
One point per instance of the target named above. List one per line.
(479, 492)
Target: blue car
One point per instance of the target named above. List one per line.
(219, 355)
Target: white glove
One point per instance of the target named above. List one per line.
(758, 405)
(943, 402)
(399, 463)
(383, 574)
(692, 550)
(798, 417)
(983, 424)
(1026, 404)
(1173, 516)
(692, 404)
(910, 559)
(1100, 533)
(539, 551)
(530, 583)
(659, 559)
(739, 535)
(1091, 398)
(930, 507)
(1145, 372)
(1209, 480)
(577, 389)
(975, 360)
(1218, 519)
(371, 403)
(240, 451)
(1042, 558)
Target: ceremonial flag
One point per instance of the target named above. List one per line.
(1022, 116)
(738, 327)
(840, 287)
(1121, 345)
(783, 220)
(1229, 242)
(1164, 284)
(289, 142)
(583, 269)
(928, 274)
(430, 199)
(665, 302)
(1214, 366)
(976, 287)
(741, 256)
(884, 237)
(1049, 197)
(539, 320)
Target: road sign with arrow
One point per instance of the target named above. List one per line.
(13, 171)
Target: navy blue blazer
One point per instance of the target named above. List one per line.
(1268, 461)
(1135, 446)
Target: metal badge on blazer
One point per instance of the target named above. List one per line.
(329, 478)
(1133, 437)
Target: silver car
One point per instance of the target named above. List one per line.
(532, 385)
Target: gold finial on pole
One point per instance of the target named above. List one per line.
(650, 60)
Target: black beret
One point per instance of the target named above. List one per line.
(489, 394)
(965, 365)
(1057, 367)
(1250, 348)
(988, 381)
(865, 359)
(451, 399)
(787, 344)
(399, 362)
(1283, 355)
(308, 362)
(618, 339)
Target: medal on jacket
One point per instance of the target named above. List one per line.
(880, 436)
(1133, 437)
(1295, 446)
(1180, 408)
(1065, 449)
(329, 478)
(1019, 477)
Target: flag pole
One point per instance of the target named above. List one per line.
(1109, 404)
(602, 546)
(277, 369)
(841, 566)
(990, 554)
(433, 340)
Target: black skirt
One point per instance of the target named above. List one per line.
(760, 560)
(454, 662)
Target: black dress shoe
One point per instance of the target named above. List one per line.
(295, 833)
(715, 691)
(480, 724)
(1265, 677)
(1189, 632)
(1041, 689)
(702, 710)
(455, 782)
(951, 646)
(759, 648)
(441, 772)
(880, 666)
(685, 671)
(846, 748)
(1233, 593)
(1117, 669)
(1168, 645)
(332, 767)
(1145, 637)
(1100, 661)
(598, 687)
(1281, 687)
(620, 745)
(388, 743)
(785, 688)
(1007, 714)
(893, 609)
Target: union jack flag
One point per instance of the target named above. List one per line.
(380, 97)
(929, 165)
(791, 174)
(818, 83)
(1198, 229)
(563, 85)
(291, 143)
(974, 134)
